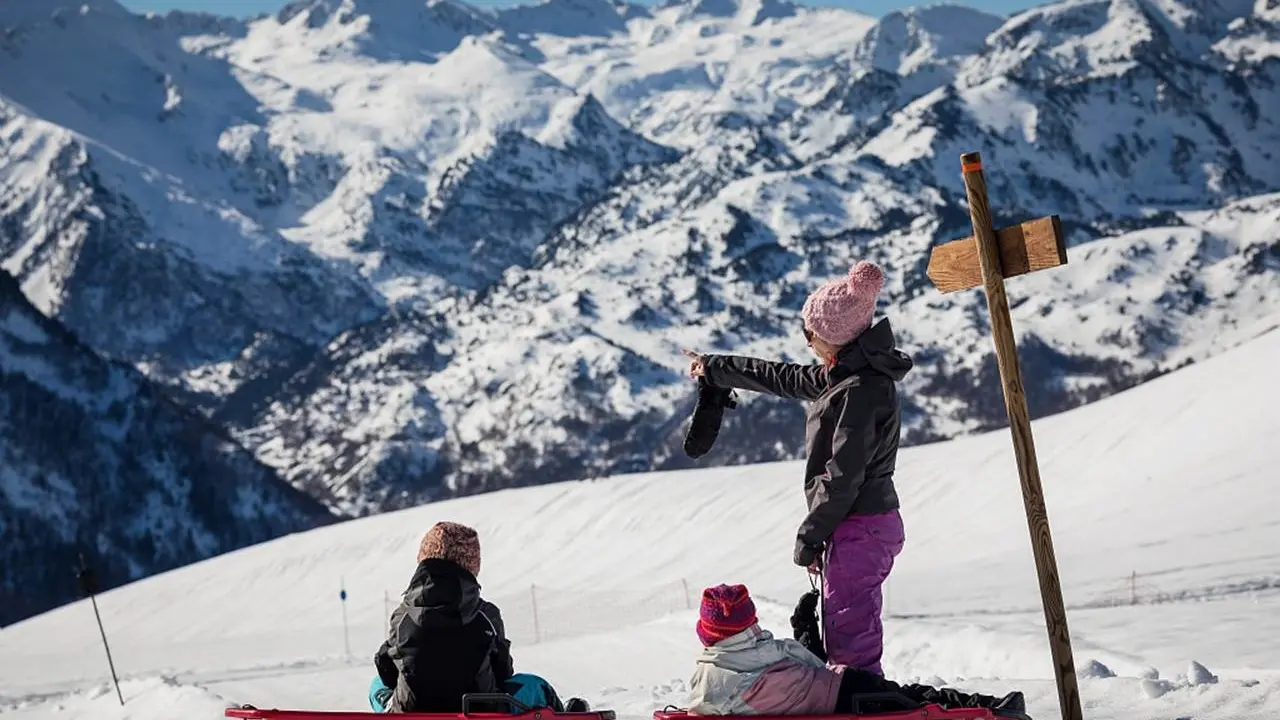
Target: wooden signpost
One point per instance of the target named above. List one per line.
(986, 259)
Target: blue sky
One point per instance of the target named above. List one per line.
(252, 7)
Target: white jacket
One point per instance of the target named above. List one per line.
(753, 673)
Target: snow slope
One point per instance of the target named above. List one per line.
(405, 250)
(1167, 480)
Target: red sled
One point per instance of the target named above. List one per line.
(906, 710)
(868, 706)
(252, 713)
(520, 711)
(923, 712)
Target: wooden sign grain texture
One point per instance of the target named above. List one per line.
(1024, 248)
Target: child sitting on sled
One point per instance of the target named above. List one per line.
(744, 670)
(446, 641)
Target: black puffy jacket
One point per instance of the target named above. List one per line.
(852, 428)
(444, 642)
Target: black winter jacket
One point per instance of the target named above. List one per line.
(445, 641)
(851, 432)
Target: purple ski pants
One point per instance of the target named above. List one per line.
(857, 561)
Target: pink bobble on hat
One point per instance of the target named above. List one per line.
(841, 310)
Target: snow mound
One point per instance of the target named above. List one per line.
(1095, 669)
(1198, 674)
(151, 698)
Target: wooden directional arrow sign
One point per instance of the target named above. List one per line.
(1025, 248)
(986, 259)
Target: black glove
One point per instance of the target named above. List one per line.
(805, 553)
(707, 415)
(804, 624)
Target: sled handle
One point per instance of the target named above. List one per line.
(887, 696)
(497, 698)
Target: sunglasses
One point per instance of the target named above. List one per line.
(808, 335)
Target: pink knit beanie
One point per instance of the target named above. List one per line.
(726, 610)
(841, 310)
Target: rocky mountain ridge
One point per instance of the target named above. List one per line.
(405, 250)
(97, 460)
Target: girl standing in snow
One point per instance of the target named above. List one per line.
(853, 531)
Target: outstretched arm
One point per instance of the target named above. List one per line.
(785, 380)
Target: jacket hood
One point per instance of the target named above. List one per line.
(751, 649)
(442, 585)
(876, 348)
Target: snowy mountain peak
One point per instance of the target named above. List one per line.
(747, 12)
(1252, 40)
(402, 30)
(760, 11)
(569, 18)
(1109, 37)
(903, 41)
(198, 23)
(17, 13)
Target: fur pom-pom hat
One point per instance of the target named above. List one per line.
(842, 309)
(454, 542)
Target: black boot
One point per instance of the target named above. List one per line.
(577, 705)
(707, 415)
(1012, 705)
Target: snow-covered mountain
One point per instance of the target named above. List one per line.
(408, 249)
(94, 459)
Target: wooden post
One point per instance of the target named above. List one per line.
(1031, 246)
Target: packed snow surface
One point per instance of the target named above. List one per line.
(1168, 548)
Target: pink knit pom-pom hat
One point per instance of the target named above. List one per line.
(841, 310)
(726, 610)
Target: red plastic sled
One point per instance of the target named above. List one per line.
(542, 714)
(924, 712)
(868, 706)
(522, 712)
(907, 711)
